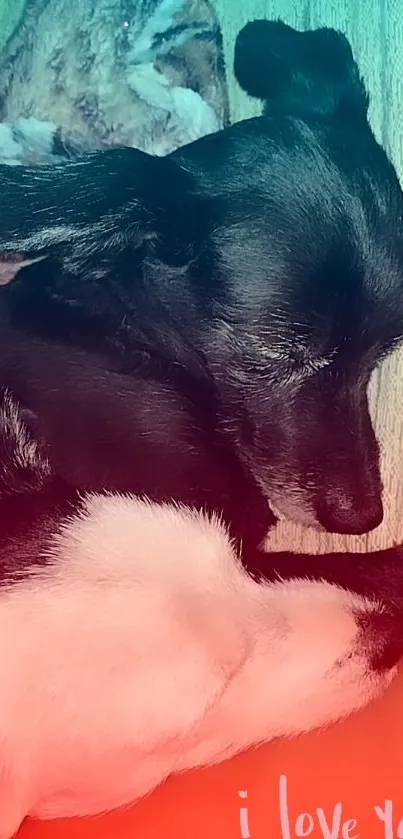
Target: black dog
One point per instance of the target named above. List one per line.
(203, 327)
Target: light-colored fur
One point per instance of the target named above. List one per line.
(143, 649)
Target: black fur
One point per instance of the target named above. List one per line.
(203, 327)
(303, 73)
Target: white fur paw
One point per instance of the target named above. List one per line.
(311, 662)
(146, 650)
(324, 665)
(320, 668)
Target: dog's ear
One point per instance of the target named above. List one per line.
(97, 206)
(300, 73)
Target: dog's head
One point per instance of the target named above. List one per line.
(308, 232)
(274, 249)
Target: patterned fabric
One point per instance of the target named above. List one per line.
(84, 74)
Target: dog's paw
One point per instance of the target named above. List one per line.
(196, 660)
(317, 654)
(338, 652)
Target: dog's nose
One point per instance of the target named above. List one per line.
(341, 513)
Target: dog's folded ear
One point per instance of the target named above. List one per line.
(97, 206)
(300, 73)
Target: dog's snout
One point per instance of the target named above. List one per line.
(348, 513)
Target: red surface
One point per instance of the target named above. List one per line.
(339, 777)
